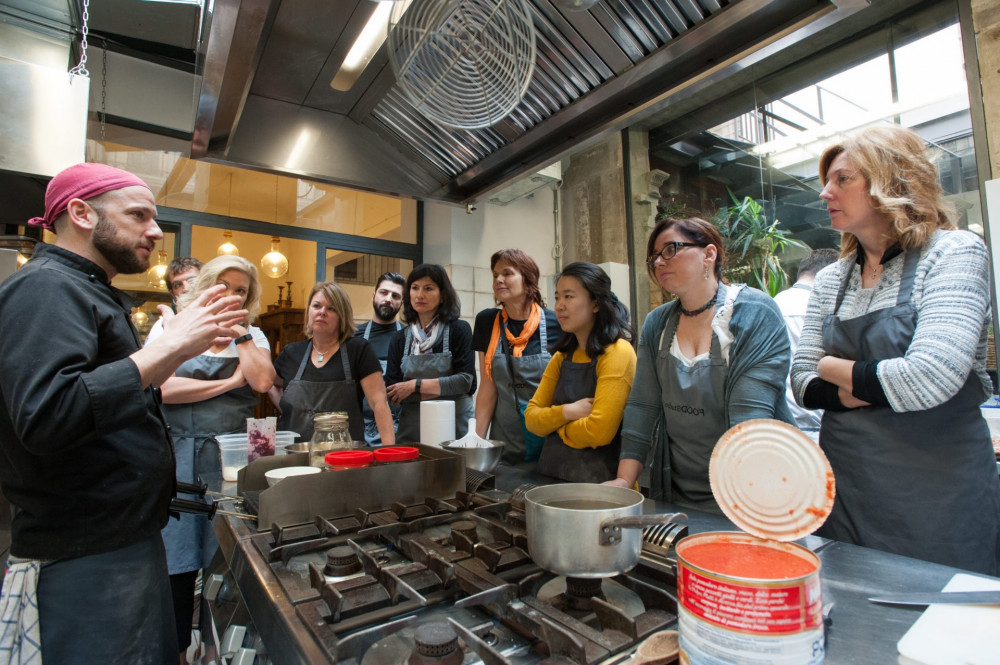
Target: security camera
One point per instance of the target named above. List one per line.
(469, 207)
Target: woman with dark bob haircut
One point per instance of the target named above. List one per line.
(432, 357)
(578, 404)
(893, 347)
(715, 356)
(512, 343)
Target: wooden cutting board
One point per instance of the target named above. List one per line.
(955, 634)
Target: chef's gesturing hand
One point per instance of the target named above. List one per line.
(188, 333)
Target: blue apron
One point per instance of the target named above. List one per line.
(190, 541)
(372, 437)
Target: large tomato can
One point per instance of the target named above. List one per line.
(749, 601)
(753, 597)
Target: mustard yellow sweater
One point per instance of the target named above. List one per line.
(615, 370)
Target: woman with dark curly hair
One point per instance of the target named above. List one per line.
(713, 357)
(432, 357)
(894, 349)
(578, 404)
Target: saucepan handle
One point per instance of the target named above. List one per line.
(611, 529)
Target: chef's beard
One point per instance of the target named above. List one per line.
(386, 311)
(117, 253)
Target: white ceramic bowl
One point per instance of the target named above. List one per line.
(274, 475)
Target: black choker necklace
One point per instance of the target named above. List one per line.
(696, 312)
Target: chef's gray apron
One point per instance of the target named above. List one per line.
(429, 366)
(506, 424)
(578, 465)
(372, 437)
(693, 400)
(190, 541)
(301, 400)
(920, 483)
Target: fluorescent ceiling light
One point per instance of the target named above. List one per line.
(365, 46)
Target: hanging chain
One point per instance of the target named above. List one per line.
(81, 67)
(104, 88)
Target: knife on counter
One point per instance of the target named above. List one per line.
(939, 597)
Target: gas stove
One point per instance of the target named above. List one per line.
(443, 581)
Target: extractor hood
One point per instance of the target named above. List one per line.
(261, 73)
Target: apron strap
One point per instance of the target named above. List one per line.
(368, 329)
(302, 365)
(910, 261)
(407, 342)
(447, 336)
(343, 360)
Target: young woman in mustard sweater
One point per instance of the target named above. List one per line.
(579, 403)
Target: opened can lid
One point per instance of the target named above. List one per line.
(772, 480)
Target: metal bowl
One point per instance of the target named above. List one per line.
(480, 459)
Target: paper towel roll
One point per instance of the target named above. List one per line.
(437, 421)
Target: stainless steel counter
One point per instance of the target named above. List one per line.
(859, 632)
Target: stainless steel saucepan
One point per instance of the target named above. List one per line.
(585, 530)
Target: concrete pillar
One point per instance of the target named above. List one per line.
(986, 21)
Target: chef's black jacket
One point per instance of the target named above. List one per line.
(85, 456)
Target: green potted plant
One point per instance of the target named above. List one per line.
(753, 244)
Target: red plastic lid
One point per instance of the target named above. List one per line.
(396, 453)
(349, 458)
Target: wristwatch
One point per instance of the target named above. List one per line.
(243, 338)
(417, 389)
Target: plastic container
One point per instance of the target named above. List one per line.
(339, 460)
(274, 476)
(394, 454)
(282, 440)
(232, 454)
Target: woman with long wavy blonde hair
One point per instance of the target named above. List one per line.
(894, 349)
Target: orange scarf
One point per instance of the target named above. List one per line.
(516, 343)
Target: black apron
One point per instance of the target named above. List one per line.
(372, 437)
(301, 400)
(920, 483)
(578, 465)
(506, 423)
(190, 541)
(429, 366)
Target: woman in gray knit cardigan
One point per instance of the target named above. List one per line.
(894, 348)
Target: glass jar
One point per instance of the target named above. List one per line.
(330, 432)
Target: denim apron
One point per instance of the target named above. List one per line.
(301, 400)
(514, 390)
(578, 465)
(190, 541)
(429, 366)
(372, 437)
(693, 400)
(920, 483)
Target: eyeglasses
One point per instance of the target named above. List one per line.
(669, 251)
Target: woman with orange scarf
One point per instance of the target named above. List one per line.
(512, 342)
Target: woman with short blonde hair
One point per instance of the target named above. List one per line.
(893, 347)
(330, 371)
(209, 277)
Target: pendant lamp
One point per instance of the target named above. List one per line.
(227, 248)
(157, 275)
(274, 262)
